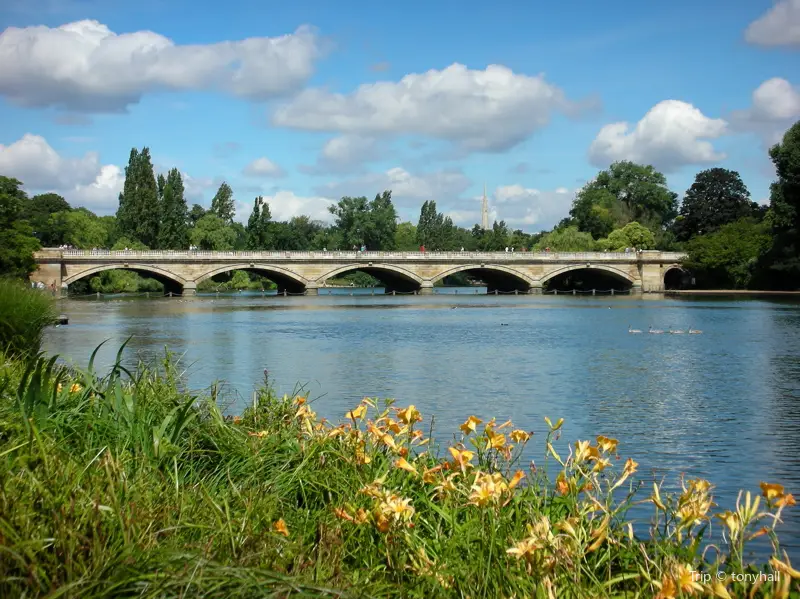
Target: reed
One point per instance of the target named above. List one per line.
(24, 315)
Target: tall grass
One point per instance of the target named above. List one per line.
(24, 314)
(125, 485)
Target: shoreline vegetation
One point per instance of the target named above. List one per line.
(125, 483)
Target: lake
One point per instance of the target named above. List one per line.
(723, 405)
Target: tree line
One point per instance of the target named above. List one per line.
(731, 240)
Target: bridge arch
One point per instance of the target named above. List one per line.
(676, 277)
(283, 277)
(394, 277)
(616, 274)
(496, 276)
(170, 280)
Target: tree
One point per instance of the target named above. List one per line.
(405, 237)
(352, 219)
(717, 197)
(728, 258)
(37, 212)
(632, 235)
(80, 228)
(623, 193)
(139, 212)
(435, 230)
(223, 204)
(568, 239)
(17, 242)
(258, 225)
(212, 233)
(783, 257)
(195, 214)
(382, 223)
(173, 232)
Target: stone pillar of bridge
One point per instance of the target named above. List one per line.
(189, 289)
(312, 289)
(652, 277)
(426, 288)
(536, 289)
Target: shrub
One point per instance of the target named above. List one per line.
(24, 314)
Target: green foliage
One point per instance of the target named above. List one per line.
(24, 314)
(195, 214)
(37, 212)
(212, 233)
(717, 197)
(17, 242)
(435, 231)
(361, 222)
(223, 205)
(632, 235)
(728, 258)
(80, 228)
(173, 233)
(623, 193)
(569, 239)
(124, 281)
(405, 237)
(258, 225)
(139, 212)
(127, 485)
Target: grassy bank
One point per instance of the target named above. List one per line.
(126, 485)
(24, 314)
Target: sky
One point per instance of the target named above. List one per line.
(305, 102)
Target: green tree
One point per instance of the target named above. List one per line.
(623, 193)
(352, 219)
(717, 197)
(382, 223)
(37, 212)
(139, 213)
(173, 233)
(258, 225)
(728, 258)
(195, 214)
(783, 258)
(17, 242)
(80, 228)
(223, 204)
(213, 233)
(632, 235)
(435, 230)
(405, 237)
(568, 239)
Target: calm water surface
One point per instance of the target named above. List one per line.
(724, 405)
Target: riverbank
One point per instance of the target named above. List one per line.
(117, 485)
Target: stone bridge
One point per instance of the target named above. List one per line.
(306, 272)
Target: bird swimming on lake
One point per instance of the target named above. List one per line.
(655, 331)
(694, 331)
(632, 330)
(676, 332)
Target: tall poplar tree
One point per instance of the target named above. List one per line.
(258, 226)
(139, 213)
(223, 203)
(173, 232)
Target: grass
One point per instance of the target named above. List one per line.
(24, 314)
(124, 484)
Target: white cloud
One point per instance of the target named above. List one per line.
(775, 107)
(84, 66)
(532, 209)
(344, 153)
(409, 190)
(672, 134)
(82, 181)
(284, 205)
(489, 110)
(779, 26)
(263, 167)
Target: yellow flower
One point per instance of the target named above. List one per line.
(516, 479)
(585, 451)
(519, 436)
(787, 499)
(259, 434)
(561, 484)
(668, 590)
(397, 508)
(687, 580)
(410, 415)
(461, 458)
(601, 464)
(404, 465)
(382, 522)
(607, 444)
(299, 400)
(630, 467)
(496, 441)
(280, 528)
(75, 388)
(784, 567)
(470, 425)
(429, 476)
(523, 549)
(771, 491)
(59, 388)
(731, 520)
(446, 486)
(487, 488)
(357, 413)
(237, 419)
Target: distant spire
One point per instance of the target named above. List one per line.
(485, 211)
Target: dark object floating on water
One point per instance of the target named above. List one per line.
(62, 319)
(503, 324)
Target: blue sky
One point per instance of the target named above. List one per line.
(432, 100)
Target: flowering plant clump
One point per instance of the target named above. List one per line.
(126, 485)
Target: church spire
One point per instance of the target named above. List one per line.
(485, 210)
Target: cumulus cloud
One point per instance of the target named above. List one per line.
(775, 107)
(263, 167)
(409, 190)
(490, 110)
(672, 134)
(82, 181)
(86, 67)
(344, 154)
(779, 26)
(284, 205)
